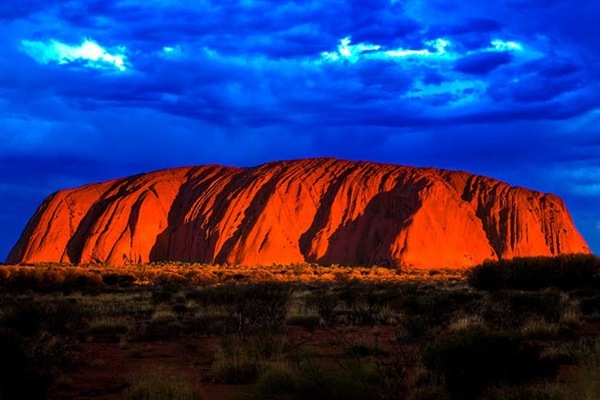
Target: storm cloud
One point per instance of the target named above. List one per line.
(93, 90)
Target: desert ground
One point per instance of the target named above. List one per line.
(521, 329)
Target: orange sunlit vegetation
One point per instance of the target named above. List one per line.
(57, 275)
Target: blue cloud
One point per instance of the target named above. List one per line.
(475, 25)
(427, 82)
(482, 63)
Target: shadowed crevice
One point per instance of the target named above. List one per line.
(198, 236)
(368, 239)
(82, 233)
(323, 213)
(252, 213)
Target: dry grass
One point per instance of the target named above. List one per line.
(298, 331)
(160, 386)
(58, 276)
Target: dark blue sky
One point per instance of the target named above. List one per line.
(98, 89)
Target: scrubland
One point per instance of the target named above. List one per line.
(519, 329)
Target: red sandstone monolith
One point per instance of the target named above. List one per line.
(315, 210)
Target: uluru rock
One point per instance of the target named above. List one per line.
(316, 210)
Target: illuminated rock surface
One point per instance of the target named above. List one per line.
(315, 210)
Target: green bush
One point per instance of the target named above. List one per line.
(471, 360)
(325, 302)
(161, 388)
(571, 271)
(262, 307)
(357, 380)
(240, 360)
(29, 317)
(275, 380)
(509, 309)
(237, 369)
(426, 311)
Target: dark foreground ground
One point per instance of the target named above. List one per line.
(527, 329)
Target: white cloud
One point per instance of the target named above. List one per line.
(94, 55)
(353, 53)
(501, 45)
(519, 50)
(171, 52)
(439, 44)
(348, 51)
(438, 49)
(598, 226)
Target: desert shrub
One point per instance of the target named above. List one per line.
(374, 294)
(539, 329)
(220, 294)
(25, 317)
(170, 280)
(585, 351)
(363, 371)
(428, 393)
(47, 278)
(239, 360)
(416, 326)
(570, 271)
(64, 316)
(466, 321)
(325, 302)
(363, 349)
(211, 321)
(471, 360)
(584, 383)
(549, 392)
(163, 316)
(80, 278)
(353, 379)
(236, 369)
(356, 380)
(4, 274)
(28, 316)
(262, 307)
(163, 325)
(396, 371)
(315, 383)
(161, 296)
(157, 387)
(427, 311)
(258, 308)
(108, 325)
(49, 353)
(118, 279)
(350, 294)
(590, 306)
(586, 386)
(276, 379)
(508, 309)
(308, 321)
(19, 377)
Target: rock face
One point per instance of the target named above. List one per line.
(316, 210)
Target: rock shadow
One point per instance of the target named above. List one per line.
(77, 242)
(194, 240)
(368, 239)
